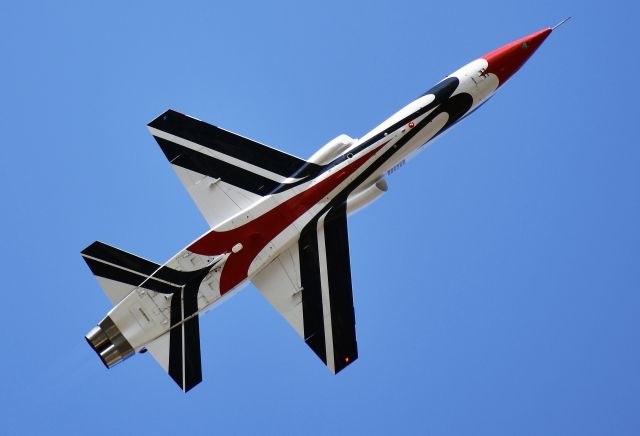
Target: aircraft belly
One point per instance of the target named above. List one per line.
(142, 316)
(145, 315)
(279, 244)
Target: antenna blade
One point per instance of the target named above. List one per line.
(560, 23)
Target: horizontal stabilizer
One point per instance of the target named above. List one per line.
(120, 272)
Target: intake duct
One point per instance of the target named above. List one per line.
(107, 340)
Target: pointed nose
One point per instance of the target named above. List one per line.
(507, 60)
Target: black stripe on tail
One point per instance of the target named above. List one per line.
(185, 366)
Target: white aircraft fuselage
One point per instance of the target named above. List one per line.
(276, 220)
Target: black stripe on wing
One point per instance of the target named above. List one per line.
(343, 320)
(228, 143)
(209, 166)
(312, 313)
(340, 304)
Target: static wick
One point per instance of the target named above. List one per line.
(560, 23)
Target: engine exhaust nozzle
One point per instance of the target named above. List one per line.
(109, 343)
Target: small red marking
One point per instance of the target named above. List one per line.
(411, 124)
(346, 359)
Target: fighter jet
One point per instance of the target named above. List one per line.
(276, 220)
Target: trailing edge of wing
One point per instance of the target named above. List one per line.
(310, 285)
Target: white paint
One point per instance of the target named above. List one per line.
(402, 113)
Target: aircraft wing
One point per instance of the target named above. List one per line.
(223, 172)
(310, 285)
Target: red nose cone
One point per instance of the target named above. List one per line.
(505, 61)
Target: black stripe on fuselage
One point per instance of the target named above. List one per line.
(174, 276)
(227, 143)
(442, 91)
(343, 321)
(455, 106)
(312, 313)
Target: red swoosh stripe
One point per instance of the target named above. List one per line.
(256, 234)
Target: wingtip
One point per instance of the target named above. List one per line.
(169, 114)
(162, 117)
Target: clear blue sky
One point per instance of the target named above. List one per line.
(496, 284)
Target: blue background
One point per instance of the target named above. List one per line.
(496, 284)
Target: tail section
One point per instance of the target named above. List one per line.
(178, 351)
(164, 311)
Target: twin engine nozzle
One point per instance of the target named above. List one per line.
(107, 340)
